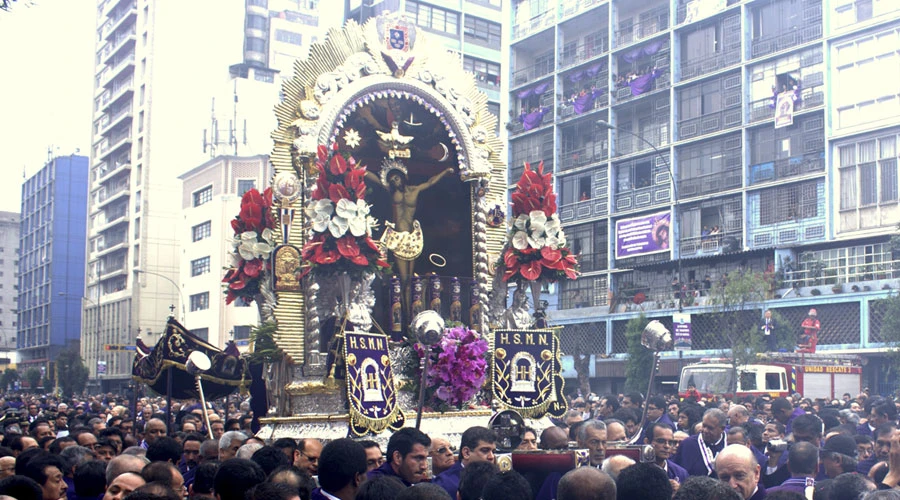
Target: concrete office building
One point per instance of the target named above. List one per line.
(778, 120)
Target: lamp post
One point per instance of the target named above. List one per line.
(603, 124)
(170, 280)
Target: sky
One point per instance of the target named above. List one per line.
(47, 56)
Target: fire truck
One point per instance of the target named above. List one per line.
(826, 376)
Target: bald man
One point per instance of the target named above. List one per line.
(586, 483)
(614, 464)
(737, 467)
(554, 438)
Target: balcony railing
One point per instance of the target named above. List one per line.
(698, 67)
(587, 49)
(627, 93)
(681, 14)
(810, 97)
(717, 182)
(814, 273)
(572, 7)
(710, 122)
(787, 167)
(648, 24)
(536, 24)
(580, 157)
(567, 108)
(725, 241)
(810, 30)
(627, 144)
(531, 73)
(595, 207)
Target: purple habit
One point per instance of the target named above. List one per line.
(585, 102)
(533, 119)
(643, 83)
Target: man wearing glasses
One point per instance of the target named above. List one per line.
(310, 449)
(374, 456)
(442, 457)
(664, 445)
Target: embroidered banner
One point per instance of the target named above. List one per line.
(370, 383)
(526, 369)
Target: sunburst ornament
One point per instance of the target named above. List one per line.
(352, 138)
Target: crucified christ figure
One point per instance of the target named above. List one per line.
(403, 235)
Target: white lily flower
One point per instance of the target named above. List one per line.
(521, 222)
(346, 208)
(358, 226)
(262, 249)
(552, 227)
(536, 241)
(537, 222)
(362, 208)
(323, 206)
(320, 222)
(338, 226)
(268, 235)
(520, 240)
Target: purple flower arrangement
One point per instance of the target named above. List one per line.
(460, 367)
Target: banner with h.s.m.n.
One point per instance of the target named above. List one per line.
(526, 372)
(370, 383)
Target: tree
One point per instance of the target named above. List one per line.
(740, 293)
(640, 359)
(8, 378)
(33, 377)
(71, 372)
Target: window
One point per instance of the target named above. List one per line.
(701, 43)
(789, 203)
(868, 173)
(773, 382)
(203, 196)
(202, 333)
(288, 37)
(777, 18)
(434, 18)
(244, 185)
(700, 100)
(481, 31)
(200, 302)
(200, 266)
(871, 66)
(486, 73)
(201, 231)
(633, 175)
(241, 332)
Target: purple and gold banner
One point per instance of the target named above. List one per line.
(643, 235)
(526, 369)
(370, 383)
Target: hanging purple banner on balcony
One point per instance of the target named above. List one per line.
(643, 235)
(681, 323)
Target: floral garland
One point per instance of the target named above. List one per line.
(253, 242)
(341, 226)
(459, 366)
(537, 244)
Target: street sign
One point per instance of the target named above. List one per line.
(119, 347)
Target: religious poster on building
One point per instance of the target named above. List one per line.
(526, 366)
(681, 323)
(643, 235)
(370, 383)
(784, 109)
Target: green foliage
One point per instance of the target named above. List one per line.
(640, 359)
(741, 291)
(890, 330)
(8, 378)
(33, 377)
(265, 350)
(71, 372)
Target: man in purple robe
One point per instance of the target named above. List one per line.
(697, 453)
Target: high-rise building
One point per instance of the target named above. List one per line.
(777, 121)
(50, 261)
(469, 28)
(9, 264)
(176, 83)
(211, 198)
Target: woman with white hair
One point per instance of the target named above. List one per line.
(847, 416)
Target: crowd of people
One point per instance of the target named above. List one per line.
(750, 449)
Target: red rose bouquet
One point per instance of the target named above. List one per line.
(253, 242)
(537, 244)
(339, 217)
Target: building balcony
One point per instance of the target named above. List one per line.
(642, 26)
(810, 31)
(583, 210)
(812, 96)
(583, 156)
(121, 191)
(118, 69)
(532, 73)
(126, 14)
(786, 215)
(627, 144)
(113, 218)
(709, 123)
(117, 93)
(570, 8)
(588, 48)
(536, 24)
(121, 164)
(110, 247)
(117, 143)
(714, 183)
(116, 119)
(698, 67)
(645, 197)
(121, 41)
(715, 244)
(786, 168)
(684, 15)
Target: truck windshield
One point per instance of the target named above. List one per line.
(706, 379)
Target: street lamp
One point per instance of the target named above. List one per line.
(170, 280)
(603, 124)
